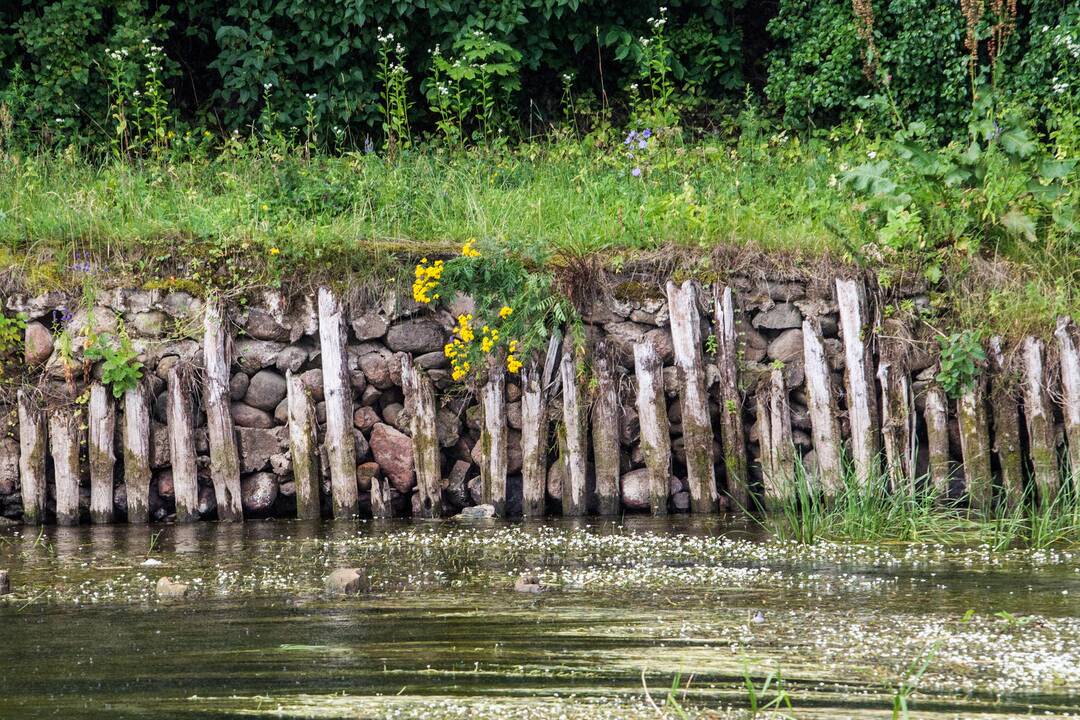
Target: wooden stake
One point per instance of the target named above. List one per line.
(32, 441)
(1070, 383)
(861, 404)
(137, 453)
(535, 385)
(697, 427)
(381, 507)
(575, 491)
(937, 436)
(1040, 426)
(1006, 427)
(653, 419)
(340, 444)
(185, 470)
(733, 435)
(303, 448)
(420, 406)
(975, 446)
(493, 436)
(101, 444)
(605, 433)
(897, 426)
(64, 448)
(822, 405)
(774, 436)
(224, 459)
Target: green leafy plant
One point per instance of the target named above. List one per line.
(962, 360)
(12, 330)
(756, 697)
(120, 368)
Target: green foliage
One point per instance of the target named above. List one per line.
(962, 360)
(120, 368)
(12, 330)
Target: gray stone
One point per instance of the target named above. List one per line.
(476, 512)
(375, 366)
(265, 390)
(447, 427)
(246, 416)
(370, 326)
(181, 305)
(9, 465)
(346, 581)
(261, 325)
(291, 358)
(779, 317)
(38, 344)
(432, 360)
(281, 412)
(256, 446)
(254, 355)
(528, 584)
(159, 446)
(513, 415)
(787, 346)
(392, 414)
(635, 489)
(151, 323)
(419, 335)
(207, 501)
(258, 492)
(167, 589)
(393, 450)
(365, 473)
(681, 501)
(365, 417)
(281, 465)
(624, 335)
(312, 381)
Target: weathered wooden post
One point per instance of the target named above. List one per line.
(101, 443)
(1041, 445)
(1070, 384)
(1006, 418)
(605, 432)
(697, 427)
(535, 386)
(32, 443)
(137, 453)
(224, 458)
(937, 438)
(896, 426)
(775, 440)
(381, 508)
(303, 448)
(574, 492)
(861, 404)
(181, 425)
(975, 445)
(822, 406)
(493, 438)
(64, 448)
(337, 393)
(732, 434)
(653, 419)
(420, 406)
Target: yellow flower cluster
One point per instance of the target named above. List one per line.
(491, 337)
(458, 349)
(512, 363)
(506, 311)
(469, 249)
(427, 281)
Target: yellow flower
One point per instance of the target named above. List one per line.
(274, 251)
(505, 311)
(512, 364)
(469, 248)
(264, 207)
(486, 345)
(513, 346)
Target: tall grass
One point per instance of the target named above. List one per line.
(871, 512)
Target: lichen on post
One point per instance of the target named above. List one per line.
(137, 453)
(655, 433)
(1040, 427)
(536, 384)
(493, 438)
(181, 425)
(733, 435)
(1070, 385)
(576, 433)
(775, 439)
(897, 426)
(224, 458)
(697, 427)
(858, 358)
(1006, 419)
(420, 407)
(32, 446)
(605, 432)
(101, 424)
(937, 438)
(822, 407)
(975, 445)
(303, 448)
(337, 392)
(64, 449)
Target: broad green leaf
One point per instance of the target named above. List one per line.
(1018, 223)
(1017, 142)
(1055, 169)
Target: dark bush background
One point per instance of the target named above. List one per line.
(804, 57)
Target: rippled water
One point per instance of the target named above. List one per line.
(443, 634)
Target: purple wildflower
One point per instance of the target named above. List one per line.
(642, 144)
(62, 316)
(636, 172)
(647, 133)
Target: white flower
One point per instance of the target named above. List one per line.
(833, 182)
(872, 154)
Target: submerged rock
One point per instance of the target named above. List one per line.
(476, 512)
(346, 581)
(166, 588)
(529, 584)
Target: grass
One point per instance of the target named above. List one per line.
(872, 513)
